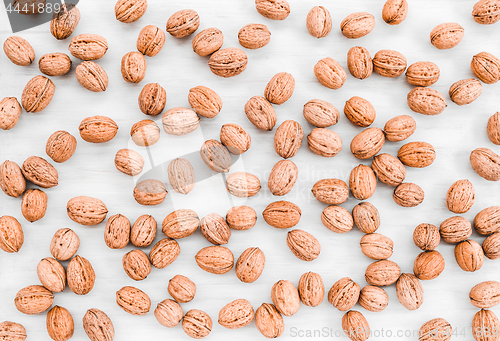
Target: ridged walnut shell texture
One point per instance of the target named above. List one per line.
(331, 191)
(282, 177)
(60, 324)
(215, 259)
(11, 234)
(455, 229)
(98, 129)
(486, 12)
(395, 11)
(355, 326)
(388, 169)
(208, 41)
(133, 301)
(235, 138)
(145, 133)
(250, 265)
(487, 221)
(320, 113)
(485, 294)
(324, 142)
(180, 223)
(134, 67)
(269, 321)
(117, 232)
(236, 314)
(329, 73)
(437, 329)
(150, 41)
(493, 128)
(242, 184)
(357, 25)
(422, 73)
(486, 67)
(152, 99)
(204, 101)
(92, 76)
(359, 62)
(483, 321)
(254, 36)
(61, 146)
(465, 91)
(169, 313)
(183, 23)
(273, 9)
(491, 246)
(40, 172)
(447, 35)
(367, 143)
(54, 64)
(303, 245)
(408, 194)
(319, 22)
(362, 182)
(366, 217)
(417, 154)
(426, 236)
(216, 156)
(428, 265)
(344, 294)
(311, 289)
(181, 175)
(486, 163)
(164, 253)
(426, 101)
(80, 275)
(241, 218)
(337, 219)
(389, 63)
(150, 192)
(228, 62)
(128, 11)
(33, 299)
(373, 298)
(64, 21)
(19, 51)
(64, 244)
(382, 273)
(376, 246)
(214, 228)
(88, 46)
(10, 110)
(260, 113)
(12, 331)
(136, 265)
(282, 214)
(197, 324)
(288, 139)
(180, 121)
(34, 205)
(143, 231)
(469, 255)
(399, 128)
(12, 181)
(280, 88)
(285, 297)
(86, 210)
(460, 196)
(359, 111)
(129, 162)
(410, 291)
(181, 288)
(37, 94)
(98, 325)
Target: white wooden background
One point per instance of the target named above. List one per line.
(91, 171)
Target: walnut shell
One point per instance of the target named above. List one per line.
(426, 236)
(382, 273)
(280, 88)
(324, 142)
(54, 64)
(92, 76)
(235, 138)
(133, 301)
(376, 246)
(359, 111)
(215, 259)
(12, 331)
(288, 139)
(337, 219)
(469, 255)
(344, 294)
(117, 232)
(455, 229)
(320, 113)
(366, 217)
(395, 11)
(329, 73)
(367, 143)
(487, 221)
(486, 163)
(214, 228)
(282, 177)
(460, 196)
(389, 63)
(311, 289)
(408, 194)
(485, 294)
(164, 253)
(269, 321)
(285, 297)
(485, 325)
(426, 101)
(373, 298)
(64, 244)
(437, 329)
(128, 11)
(357, 25)
(197, 324)
(129, 162)
(422, 73)
(33, 299)
(355, 326)
(228, 62)
(250, 265)
(10, 110)
(143, 232)
(243, 185)
(428, 265)
(491, 246)
(465, 91)
(303, 245)
(181, 175)
(204, 101)
(273, 9)
(254, 36)
(150, 192)
(150, 41)
(359, 62)
(37, 94)
(61, 146)
(19, 51)
(169, 313)
(282, 214)
(86, 210)
(29, 7)
(12, 180)
(486, 67)
(493, 128)
(180, 223)
(388, 169)
(410, 291)
(98, 129)
(208, 41)
(236, 314)
(319, 22)
(40, 172)
(134, 67)
(136, 265)
(362, 182)
(399, 128)
(216, 156)
(180, 121)
(88, 46)
(241, 218)
(60, 324)
(34, 205)
(486, 12)
(152, 99)
(80, 275)
(417, 154)
(181, 288)
(331, 191)
(183, 23)
(51, 274)
(98, 325)
(260, 113)
(447, 35)
(145, 133)
(64, 21)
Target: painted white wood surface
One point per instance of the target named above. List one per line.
(91, 171)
